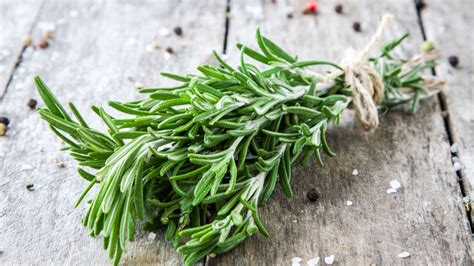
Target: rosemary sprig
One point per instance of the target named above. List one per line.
(202, 157)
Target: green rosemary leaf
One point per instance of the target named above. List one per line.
(200, 157)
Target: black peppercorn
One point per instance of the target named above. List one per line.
(453, 61)
(30, 187)
(4, 120)
(338, 8)
(289, 15)
(356, 26)
(43, 44)
(312, 195)
(170, 50)
(178, 31)
(32, 104)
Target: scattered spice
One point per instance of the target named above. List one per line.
(212, 255)
(391, 191)
(48, 33)
(178, 31)
(3, 129)
(427, 46)
(43, 44)
(338, 8)
(313, 261)
(420, 4)
(312, 195)
(27, 41)
(289, 15)
(4, 120)
(395, 184)
(151, 236)
(404, 254)
(170, 50)
(329, 260)
(139, 85)
(310, 7)
(453, 61)
(454, 148)
(60, 163)
(356, 26)
(30, 187)
(32, 104)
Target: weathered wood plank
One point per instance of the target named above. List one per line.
(15, 21)
(97, 45)
(425, 218)
(450, 27)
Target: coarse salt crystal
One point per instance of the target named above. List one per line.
(5, 52)
(149, 48)
(164, 32)
(151, 236)
(296, 259)
(329, 260)
(167, 56)
(355, 172)
(313, 262)
(349, 203)
(454, 148)
(395, 184)
(404, 254)
(139, 85)
(73, 13)
(391, 191)
(457, 166)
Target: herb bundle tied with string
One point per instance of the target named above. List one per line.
(201, 158)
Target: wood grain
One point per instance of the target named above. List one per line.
(97, 45)
(453, 35)
(15, 22)
(425, 217)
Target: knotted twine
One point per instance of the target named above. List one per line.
(367, 84)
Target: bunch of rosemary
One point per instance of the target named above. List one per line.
(202, 157)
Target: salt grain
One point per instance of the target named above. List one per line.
(149, 48)
(457, 166)
(139, 85)
(151, 236)
(313, 262)
(404, 254)
(164, 32)
(5, 52)
(296, 259)
(391, 191)
(454, 148)
(329, 260)
(73, 13)
(355, 172)
(395, 184)
(349, 203)
(167, 56)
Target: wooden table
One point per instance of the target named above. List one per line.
(102, 48)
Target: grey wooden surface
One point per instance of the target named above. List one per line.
(455, 36)
(102, 48)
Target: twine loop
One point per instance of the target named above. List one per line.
(367, 84)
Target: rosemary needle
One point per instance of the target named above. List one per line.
(202, 157)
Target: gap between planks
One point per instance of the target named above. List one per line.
(19, 58)
(448, 124)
